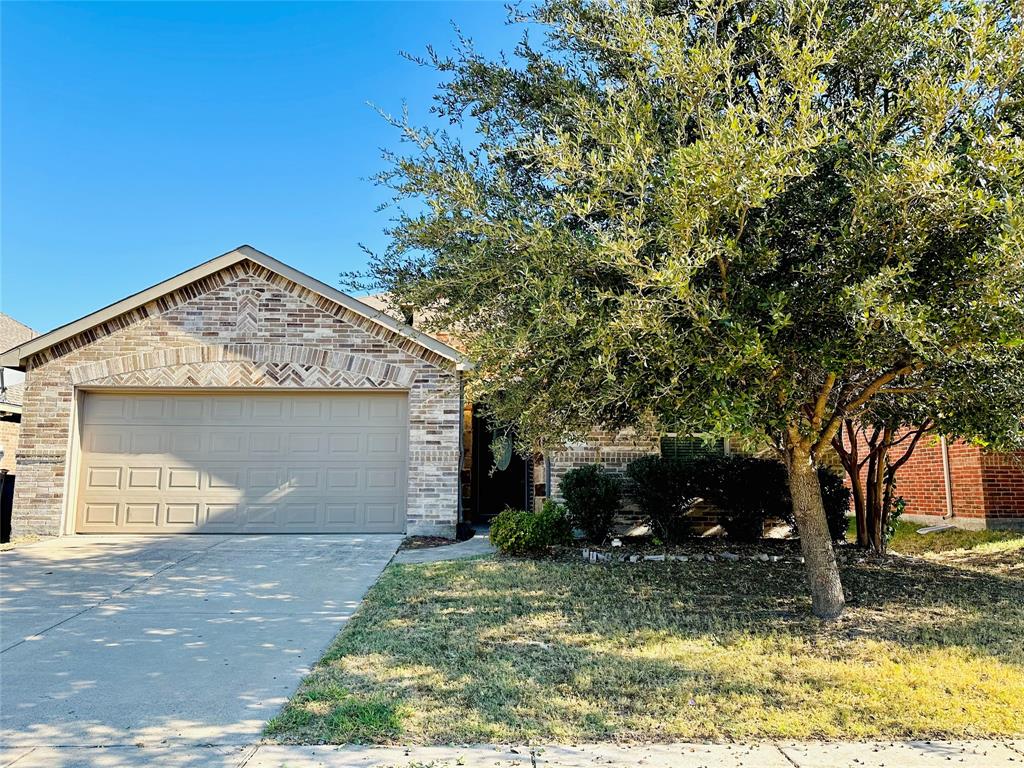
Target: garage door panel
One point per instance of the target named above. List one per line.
(383, 515)
(225, 445)
(105, 440)
(227, 409)
(304, 478)
(223, 478)
(100, 514)
(182, 514)
(386, 411)
(342, 514)
(108, 410)
(263, 479)
(253, 463)
(183, 478)
(141, 515)
(149, 441)
(306, 443)
(144, 478)
(226, 515)
(103, 478)
(307, 410)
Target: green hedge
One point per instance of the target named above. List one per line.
(519, 532)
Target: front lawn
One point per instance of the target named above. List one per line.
(494, 650)
(908, 541)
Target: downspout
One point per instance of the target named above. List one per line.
(948, 477)
(462, 445)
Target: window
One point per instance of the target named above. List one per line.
(675, 446)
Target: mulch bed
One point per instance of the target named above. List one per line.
(425, 542)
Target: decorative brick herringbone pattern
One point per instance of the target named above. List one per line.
(244, 374)
(351, 368)
(248, 312)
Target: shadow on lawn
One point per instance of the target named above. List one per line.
(491, 650)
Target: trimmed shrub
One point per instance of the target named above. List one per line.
(519, 532)
(836, 498)
(747, 491)
(663, 489)
(593, 497)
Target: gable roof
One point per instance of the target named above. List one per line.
(17, 356)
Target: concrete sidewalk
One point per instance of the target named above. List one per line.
(917, 754)
(478, 545)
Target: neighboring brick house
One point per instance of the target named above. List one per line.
(239, 396)
(966, 484)
(12, 389)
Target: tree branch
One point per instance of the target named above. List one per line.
(865, 395)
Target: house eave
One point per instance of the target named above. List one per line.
(17, 357)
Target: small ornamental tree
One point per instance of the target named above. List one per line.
(981, 400)
(746, 218)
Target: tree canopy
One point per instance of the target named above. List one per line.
(741, 217)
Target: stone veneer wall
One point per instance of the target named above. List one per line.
(244, 326)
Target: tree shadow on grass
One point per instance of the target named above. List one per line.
(495, 650)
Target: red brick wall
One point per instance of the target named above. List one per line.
(921, 481)
(986, 485)
(1002, 477)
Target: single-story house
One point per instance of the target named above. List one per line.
(245, 396)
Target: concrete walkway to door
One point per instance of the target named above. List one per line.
(169, 640)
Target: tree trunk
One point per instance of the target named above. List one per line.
(827, 599)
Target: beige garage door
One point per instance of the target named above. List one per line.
(242, 463)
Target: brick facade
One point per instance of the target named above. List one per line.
(987, 487)
(9, 430)
(614, 450)
(244, 326)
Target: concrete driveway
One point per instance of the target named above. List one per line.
(178, 639)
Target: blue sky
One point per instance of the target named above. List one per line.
(140, 139)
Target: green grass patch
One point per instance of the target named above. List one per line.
(328, 713)
(908, 541)
(493, 650)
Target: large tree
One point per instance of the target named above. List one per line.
(743, 218)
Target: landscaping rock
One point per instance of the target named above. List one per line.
(730, 557)
(654, 558)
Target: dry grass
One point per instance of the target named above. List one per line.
(993, 551)
(17, 542)
(492, 650)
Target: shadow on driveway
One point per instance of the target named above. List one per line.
(108, 640)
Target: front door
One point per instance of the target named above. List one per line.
(494, 489)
